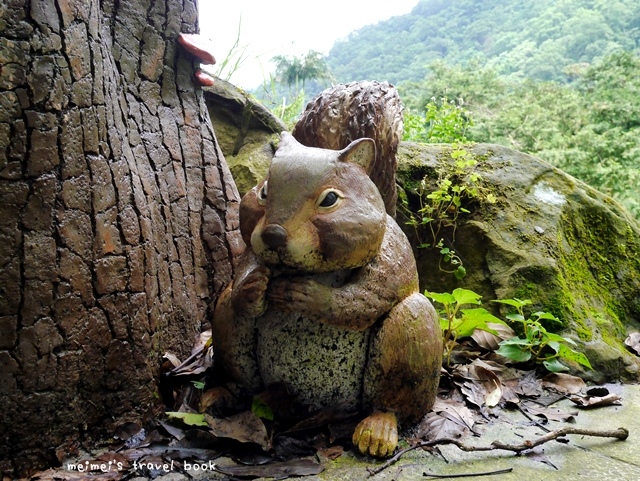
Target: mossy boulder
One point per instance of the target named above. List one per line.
(547, 237)
(244, 129)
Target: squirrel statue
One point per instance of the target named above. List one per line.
(325, 298)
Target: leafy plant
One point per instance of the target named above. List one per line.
(458, 321)
(449, 256)
(536, 343)
(444, 121)
(190, 419)
(261, 409)
(441, 206)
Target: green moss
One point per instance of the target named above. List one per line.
(526, 291)
(591, 256)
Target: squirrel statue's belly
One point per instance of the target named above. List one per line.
(291, 348)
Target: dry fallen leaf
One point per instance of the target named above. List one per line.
(437, 426)
(333, 452)
(529, 385)
(564, 383)
(489, 341)
(172, 358)
(494, 395)
(218, 397)
(448, 419)
(457, 411)
(245, 427)
(202, 342)
(474, 392)
(596, 401)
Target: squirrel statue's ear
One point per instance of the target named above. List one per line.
(361, 152)
(287, 139)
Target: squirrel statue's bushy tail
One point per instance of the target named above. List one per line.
(347, 112)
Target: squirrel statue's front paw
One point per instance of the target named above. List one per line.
(248, 298)
(377, 435)
(299, 294)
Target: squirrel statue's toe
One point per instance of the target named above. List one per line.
(377, 435)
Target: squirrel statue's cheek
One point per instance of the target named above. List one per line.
(251, 213)
(298, 247)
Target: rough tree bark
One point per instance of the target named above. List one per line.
(118, 216)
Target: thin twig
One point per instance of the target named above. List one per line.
(620, 433)
(469, 475)
(537, 422)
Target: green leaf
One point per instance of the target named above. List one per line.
(443, 298)
(516, 341)
(568, 353)
(191, 419)
(468, 326)
(466, 296)
(555, 337)
(514, 352)
(261, 409)
(554, 365)
(460, 272)
(545, 315)
(198, 384)
(480, 314)
(444, 324)
(532, 333)
(515, 317)
(513, 302)
(554, 345)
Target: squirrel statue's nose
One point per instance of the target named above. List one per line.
(274, 235)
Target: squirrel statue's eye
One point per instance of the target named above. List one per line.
(329, 198)
(262, 194)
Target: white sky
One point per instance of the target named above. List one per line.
(286, 27)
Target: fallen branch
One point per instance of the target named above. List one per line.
(620, 433)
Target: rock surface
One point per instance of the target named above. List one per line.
(244, 129)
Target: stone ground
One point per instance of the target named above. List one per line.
(584, 458)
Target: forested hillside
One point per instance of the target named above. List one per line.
(541, 39)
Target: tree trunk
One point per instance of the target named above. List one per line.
(119, 216)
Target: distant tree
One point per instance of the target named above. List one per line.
(293, 71)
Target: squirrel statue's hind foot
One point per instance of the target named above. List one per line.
(377, 435)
